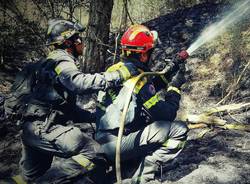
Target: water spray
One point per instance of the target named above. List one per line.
(217, 28)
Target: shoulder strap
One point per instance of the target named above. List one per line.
(130, 83)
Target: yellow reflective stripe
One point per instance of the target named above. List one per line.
(120, 68)
(64, 65)
(152, 101)
(58, 70)
(19, 179)
(172, 88)
(115, 67)
(84, 162)
(174, 144)
(140, 84)
(136, 29)
(68, 33)
(124, 72)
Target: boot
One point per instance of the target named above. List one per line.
(99, 173)
(145, 172)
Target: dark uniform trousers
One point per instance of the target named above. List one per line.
(66, 142)
(157, 143)
(39, 149)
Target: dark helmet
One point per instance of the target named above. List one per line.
(60, 30)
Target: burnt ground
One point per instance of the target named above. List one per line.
(221, 156)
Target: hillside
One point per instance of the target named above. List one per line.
(219, 68)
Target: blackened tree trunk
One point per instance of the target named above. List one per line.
(97, 35)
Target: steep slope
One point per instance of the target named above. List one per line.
(221, 156)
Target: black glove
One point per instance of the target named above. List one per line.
(177, 62)
(179, 78)
(128, 70)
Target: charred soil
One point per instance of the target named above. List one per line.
(220, 156)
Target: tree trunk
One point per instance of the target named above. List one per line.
(71, 9)
(97, 35)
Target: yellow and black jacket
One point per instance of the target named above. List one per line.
(147, 104)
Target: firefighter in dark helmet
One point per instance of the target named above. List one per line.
(150, 130)
(52, 105)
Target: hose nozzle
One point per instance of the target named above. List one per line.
(183, 55)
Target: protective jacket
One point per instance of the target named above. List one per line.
(47, 126)
(147, 104)
(59, 81)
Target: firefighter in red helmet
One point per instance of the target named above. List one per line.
(151, 133)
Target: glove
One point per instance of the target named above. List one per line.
(179, 78)
(175, 63)
(128, 70)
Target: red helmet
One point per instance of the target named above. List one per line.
(138, 38)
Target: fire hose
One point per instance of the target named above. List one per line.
(183, 55)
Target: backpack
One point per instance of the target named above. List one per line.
(21, 90)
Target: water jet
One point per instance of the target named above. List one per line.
(212, 31)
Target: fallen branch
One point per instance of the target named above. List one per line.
(207, 118)
(204, 119)
(198, 125)
(230, 107)
(203, 132)
(231, 126)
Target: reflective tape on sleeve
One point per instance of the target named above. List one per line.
(124, 72)
(172, 88)
(115, 67)
(65, 66)
(19, 179)
(152, 101)
(174, 144)
(84, 162)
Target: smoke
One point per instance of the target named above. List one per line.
(235, 14)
